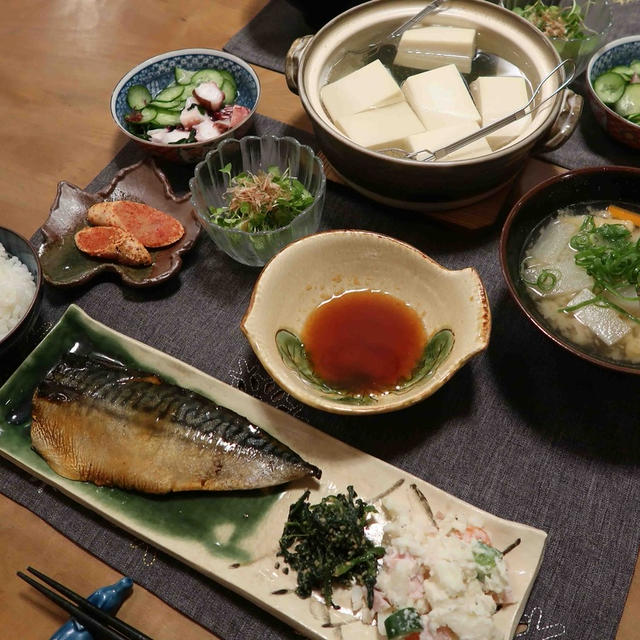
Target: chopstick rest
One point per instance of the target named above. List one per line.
(97, 621)
(107, 598)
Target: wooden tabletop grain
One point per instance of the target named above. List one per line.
(60, 61)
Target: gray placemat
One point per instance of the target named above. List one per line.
(266, 39)
(525, 430)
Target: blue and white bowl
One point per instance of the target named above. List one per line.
(158, 72)
(619, 52)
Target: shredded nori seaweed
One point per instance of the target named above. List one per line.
(326, 544)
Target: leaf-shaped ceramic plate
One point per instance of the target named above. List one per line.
(232, 537)
(452, 305)
(64, 265)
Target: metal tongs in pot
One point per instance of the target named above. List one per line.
(373, 48)
(490, 128)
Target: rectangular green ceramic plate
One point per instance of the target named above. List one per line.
(232, 537)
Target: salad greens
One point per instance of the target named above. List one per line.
(326, 544)
(555, 21)
(261, 202)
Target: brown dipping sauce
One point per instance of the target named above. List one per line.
(364, 341)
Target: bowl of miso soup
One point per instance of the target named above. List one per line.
(570, 254)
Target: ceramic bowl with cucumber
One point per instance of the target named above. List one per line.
(181, 104)
(614, 89)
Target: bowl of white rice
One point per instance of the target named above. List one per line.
(20, 289)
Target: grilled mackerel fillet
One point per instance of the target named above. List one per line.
(98, 421)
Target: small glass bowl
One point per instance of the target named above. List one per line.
(597, 18)
(252, 153)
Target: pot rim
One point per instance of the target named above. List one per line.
(522, 145)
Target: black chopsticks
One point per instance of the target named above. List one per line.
(98, 622)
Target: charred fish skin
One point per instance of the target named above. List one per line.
(96, 420)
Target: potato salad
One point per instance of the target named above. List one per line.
(439, 580)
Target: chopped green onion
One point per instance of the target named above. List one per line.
(546, 280)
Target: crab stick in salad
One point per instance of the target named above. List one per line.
(439, 580)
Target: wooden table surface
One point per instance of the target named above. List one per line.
(61, 59)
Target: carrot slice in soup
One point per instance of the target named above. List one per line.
(623, 214)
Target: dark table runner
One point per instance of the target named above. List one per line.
(266, 40)
(525, 430)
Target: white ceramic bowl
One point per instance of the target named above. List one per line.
(316, 268)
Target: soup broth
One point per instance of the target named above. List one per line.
(580, 267)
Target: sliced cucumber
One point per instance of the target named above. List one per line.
(634, 65)
(183, 76)
(188, 91)
(228, 76)
(165, 118)
(207, 75)
(146, 114)
(170, 93)
(402, 623)
(629, 103)
(138, 96)
(625, 72)
(177, 104)
(609, 87)
(229, 91)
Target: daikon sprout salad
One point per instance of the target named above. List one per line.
(581, 267)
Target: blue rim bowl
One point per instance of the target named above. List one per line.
(157, 72)
(618, 52)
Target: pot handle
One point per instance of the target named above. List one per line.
(292, 61)
(566, 122)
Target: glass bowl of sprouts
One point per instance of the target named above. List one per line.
(256, 195)
(576, 28)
